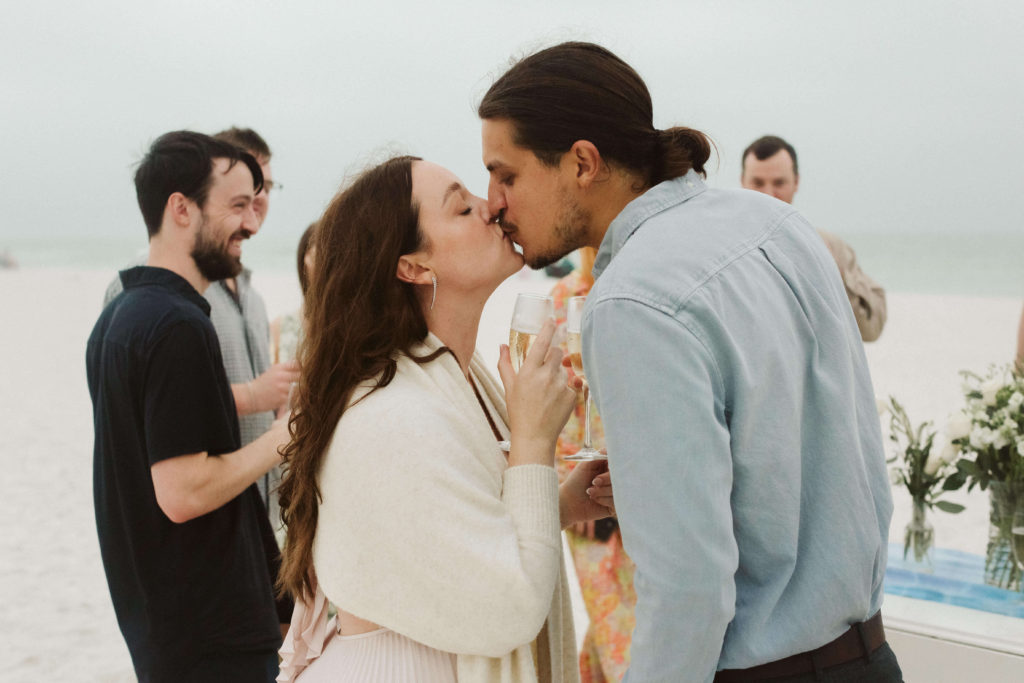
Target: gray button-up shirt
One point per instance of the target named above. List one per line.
(244, 334)
(746, 451)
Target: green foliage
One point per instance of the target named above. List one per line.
(925, 475)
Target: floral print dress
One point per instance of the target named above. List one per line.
(604, 570)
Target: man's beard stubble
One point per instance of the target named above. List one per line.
(569, 234)
(212, 259)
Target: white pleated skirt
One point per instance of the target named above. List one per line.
(380, 656)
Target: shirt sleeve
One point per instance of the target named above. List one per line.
(661, 398)
(186, 396)
(867, 298)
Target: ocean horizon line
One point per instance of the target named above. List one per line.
(979, 264)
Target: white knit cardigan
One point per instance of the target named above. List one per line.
(425, 530)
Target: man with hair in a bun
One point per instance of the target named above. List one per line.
(744, 445)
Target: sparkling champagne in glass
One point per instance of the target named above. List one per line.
(528, 317)
(574, 342)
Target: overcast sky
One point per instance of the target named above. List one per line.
(906, 115)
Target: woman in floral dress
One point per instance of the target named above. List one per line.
(604, 570)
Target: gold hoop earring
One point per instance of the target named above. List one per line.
(433, 297)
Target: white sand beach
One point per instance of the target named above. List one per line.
(57, 622)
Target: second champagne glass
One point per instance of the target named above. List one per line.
(528, 317)
(574, 340)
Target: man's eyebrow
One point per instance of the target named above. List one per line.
(454, 187)
(493, 166)
(237, 197)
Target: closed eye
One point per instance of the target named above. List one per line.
(467, 211)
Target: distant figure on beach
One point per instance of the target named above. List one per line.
(770, 166)
(7, 260)
(260, 387)
(287, 330)
(744, 444)
(189, 554)
(441, 552)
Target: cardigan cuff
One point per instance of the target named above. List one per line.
(530, 493)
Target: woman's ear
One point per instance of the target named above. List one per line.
(411, 270)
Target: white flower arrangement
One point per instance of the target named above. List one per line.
(989, 432)
(923, 460)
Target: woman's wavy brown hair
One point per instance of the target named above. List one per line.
(360, 316)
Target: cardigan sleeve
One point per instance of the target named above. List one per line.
(421, 533)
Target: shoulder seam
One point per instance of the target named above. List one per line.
(704, 345)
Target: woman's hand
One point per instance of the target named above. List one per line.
(601, 492)
(539, 399)
(586, 494)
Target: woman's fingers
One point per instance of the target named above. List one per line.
(505, 370)
(600, 491)
(538, 352)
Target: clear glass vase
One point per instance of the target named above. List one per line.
(919, 538)
(1003, 563)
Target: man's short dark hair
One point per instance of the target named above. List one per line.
(182, 161)
(247, 139)
(768, 146)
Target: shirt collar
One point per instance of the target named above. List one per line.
(660, 197)
(144, 276)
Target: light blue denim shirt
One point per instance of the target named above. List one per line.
(745, 447)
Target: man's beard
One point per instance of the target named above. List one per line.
(212, 259)
(569, 234)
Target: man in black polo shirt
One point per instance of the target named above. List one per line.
(188, 551)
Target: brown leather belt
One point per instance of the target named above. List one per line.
(859, 641)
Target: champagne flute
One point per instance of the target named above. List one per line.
(574, 340)
(528, 317)
(530, 313)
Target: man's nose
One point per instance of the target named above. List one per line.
(495, 200)
(250, 221)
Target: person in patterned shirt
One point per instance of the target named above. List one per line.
(604, 570)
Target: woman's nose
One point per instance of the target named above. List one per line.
(483, 209)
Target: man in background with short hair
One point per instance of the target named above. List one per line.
(239, 315)
(187, 549)
(770, 167)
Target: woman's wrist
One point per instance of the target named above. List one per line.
(566, 509)
(531, 451)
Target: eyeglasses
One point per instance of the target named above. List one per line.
(271, 185)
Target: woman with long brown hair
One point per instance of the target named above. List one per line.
(441, 553)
